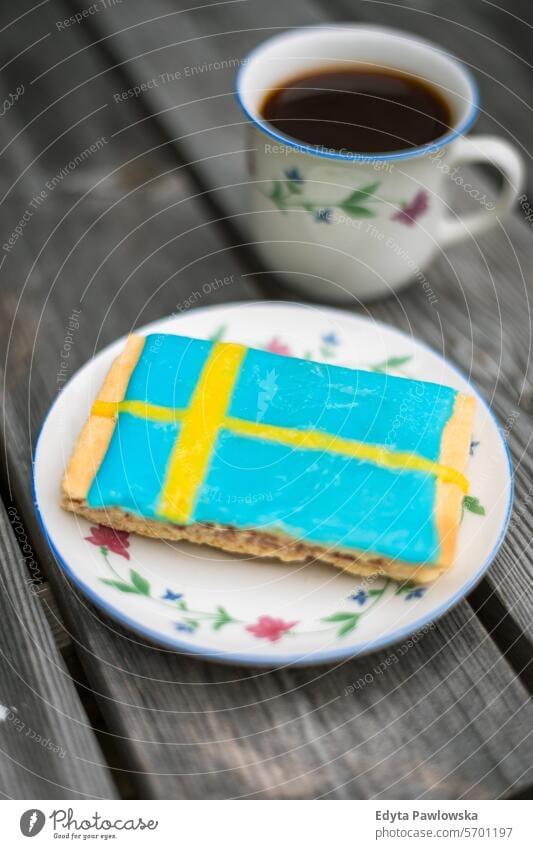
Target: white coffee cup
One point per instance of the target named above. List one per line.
(338, 224)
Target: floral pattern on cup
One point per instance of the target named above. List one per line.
(287, 192)
(410, 212)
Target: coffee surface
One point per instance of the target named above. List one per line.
(360, 110)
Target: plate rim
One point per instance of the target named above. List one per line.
(312, 658)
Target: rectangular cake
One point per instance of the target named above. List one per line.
(257, 453)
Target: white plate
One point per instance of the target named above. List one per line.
(260, 612)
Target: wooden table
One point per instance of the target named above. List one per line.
(156, 210)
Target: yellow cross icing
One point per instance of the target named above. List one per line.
(199, 430)
(109, 409)
(206, 415)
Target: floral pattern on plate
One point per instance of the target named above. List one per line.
(197, 599)
(266, 626)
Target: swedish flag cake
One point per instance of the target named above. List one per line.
(268, 455)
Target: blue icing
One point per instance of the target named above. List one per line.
(400, 414)
(132, 473)
(168, 370)
(320, 497)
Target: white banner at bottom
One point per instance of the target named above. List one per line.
(264, 824)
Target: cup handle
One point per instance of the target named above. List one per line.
(504, 157)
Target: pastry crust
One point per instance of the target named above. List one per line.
(96, 434)
(94, 440)
(257, 544)
(454, 448)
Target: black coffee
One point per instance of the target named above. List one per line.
(360, 110)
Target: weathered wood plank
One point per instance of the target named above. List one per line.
(190, 60)
(482, 320)
(53, 617)
(47, 747)
(124, 211)
(185, 728)
(425, 725)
